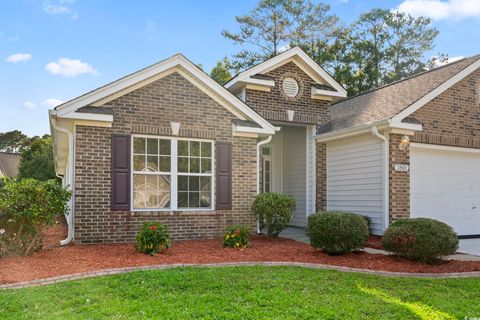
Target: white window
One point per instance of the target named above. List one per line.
(172, 173)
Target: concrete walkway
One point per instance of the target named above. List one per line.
(298, 234)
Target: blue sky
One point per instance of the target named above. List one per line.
(55, 50)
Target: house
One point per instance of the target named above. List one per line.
(168, 143)
(9, 163)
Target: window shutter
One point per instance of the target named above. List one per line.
(224, 175)
(121, 172)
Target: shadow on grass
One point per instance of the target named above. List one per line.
(424, 312)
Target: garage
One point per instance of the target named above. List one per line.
(445, 185)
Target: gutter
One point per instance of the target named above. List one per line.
(259, 145)
(67, 179)
(386, 173)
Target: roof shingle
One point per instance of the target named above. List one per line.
(386, 102)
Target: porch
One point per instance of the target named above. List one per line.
(287, 165)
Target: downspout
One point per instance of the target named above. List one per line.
(386, 174)
(70, 215)
(259, 145)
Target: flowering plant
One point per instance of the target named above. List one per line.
(237, 236)
(152, 238)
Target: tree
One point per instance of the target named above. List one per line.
(384, 46)
(274, 25)
(13, 141)
(37, 160)
(221, 72)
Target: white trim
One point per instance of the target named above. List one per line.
(436, 92)
(173, 173)
(88, 116)
(281, 58)
(442, 147)
(177, 60)
(310, 205)
(366, 128)
(319, 93)
(386, 176)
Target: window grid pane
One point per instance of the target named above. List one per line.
(151, 185)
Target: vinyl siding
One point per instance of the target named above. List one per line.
(294, 170)
(355, 178)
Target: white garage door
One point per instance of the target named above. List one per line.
(445, 185)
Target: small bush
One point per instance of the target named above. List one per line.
(152, 238)
(273, 211)
(27, 207)
(420, 239)
(337, 232)
(237, 236)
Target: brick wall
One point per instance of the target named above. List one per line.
(452, 118)
(273, 105)
(321, 176)
(149, 110)
(399, 182)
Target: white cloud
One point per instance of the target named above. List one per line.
(30, 105)
(70, 68)
(438, 63)
(19, 57)
(52, 102)
(441, 9)
(55, 7)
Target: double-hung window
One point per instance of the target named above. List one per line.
(172, 173)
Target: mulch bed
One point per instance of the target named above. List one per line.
(374, 242)
(82, 258)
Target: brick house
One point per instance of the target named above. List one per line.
(168, 143)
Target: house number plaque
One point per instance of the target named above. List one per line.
(401, 167)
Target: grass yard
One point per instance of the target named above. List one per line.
(246, 293)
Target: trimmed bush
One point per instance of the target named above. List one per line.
(153, 238)
(273, 211)
(237, 236)
(337, 232)
(27, 208)
(420, 239)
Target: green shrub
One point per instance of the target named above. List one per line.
(420, 239)
(27, 207)
(152, 238)
(237, 236)
(337, 232)
(273, 211)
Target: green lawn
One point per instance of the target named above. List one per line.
(245, 293)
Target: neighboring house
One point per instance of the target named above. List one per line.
(9, 163)
(168, 143)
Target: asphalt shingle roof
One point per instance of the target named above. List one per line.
(385, 102)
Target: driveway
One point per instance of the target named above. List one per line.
(469, 246)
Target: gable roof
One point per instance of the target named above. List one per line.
(9, 163)
(305, 63)
(82, 106)
(398, 100)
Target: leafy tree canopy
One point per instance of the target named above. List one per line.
(221, 72)
(37, 160)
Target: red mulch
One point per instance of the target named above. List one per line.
(82, 258)
(374, 242)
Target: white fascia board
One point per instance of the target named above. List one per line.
(176, 60)
(381, 125)
(244, 129)
(436, 92)
(319, 92)
(88, 116)
(279, 59)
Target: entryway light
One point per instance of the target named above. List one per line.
(404, 142)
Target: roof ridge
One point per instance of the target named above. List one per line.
(477, 57)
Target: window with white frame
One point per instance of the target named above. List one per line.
(172, 173)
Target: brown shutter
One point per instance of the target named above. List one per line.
(120, 172)
(224, 175)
